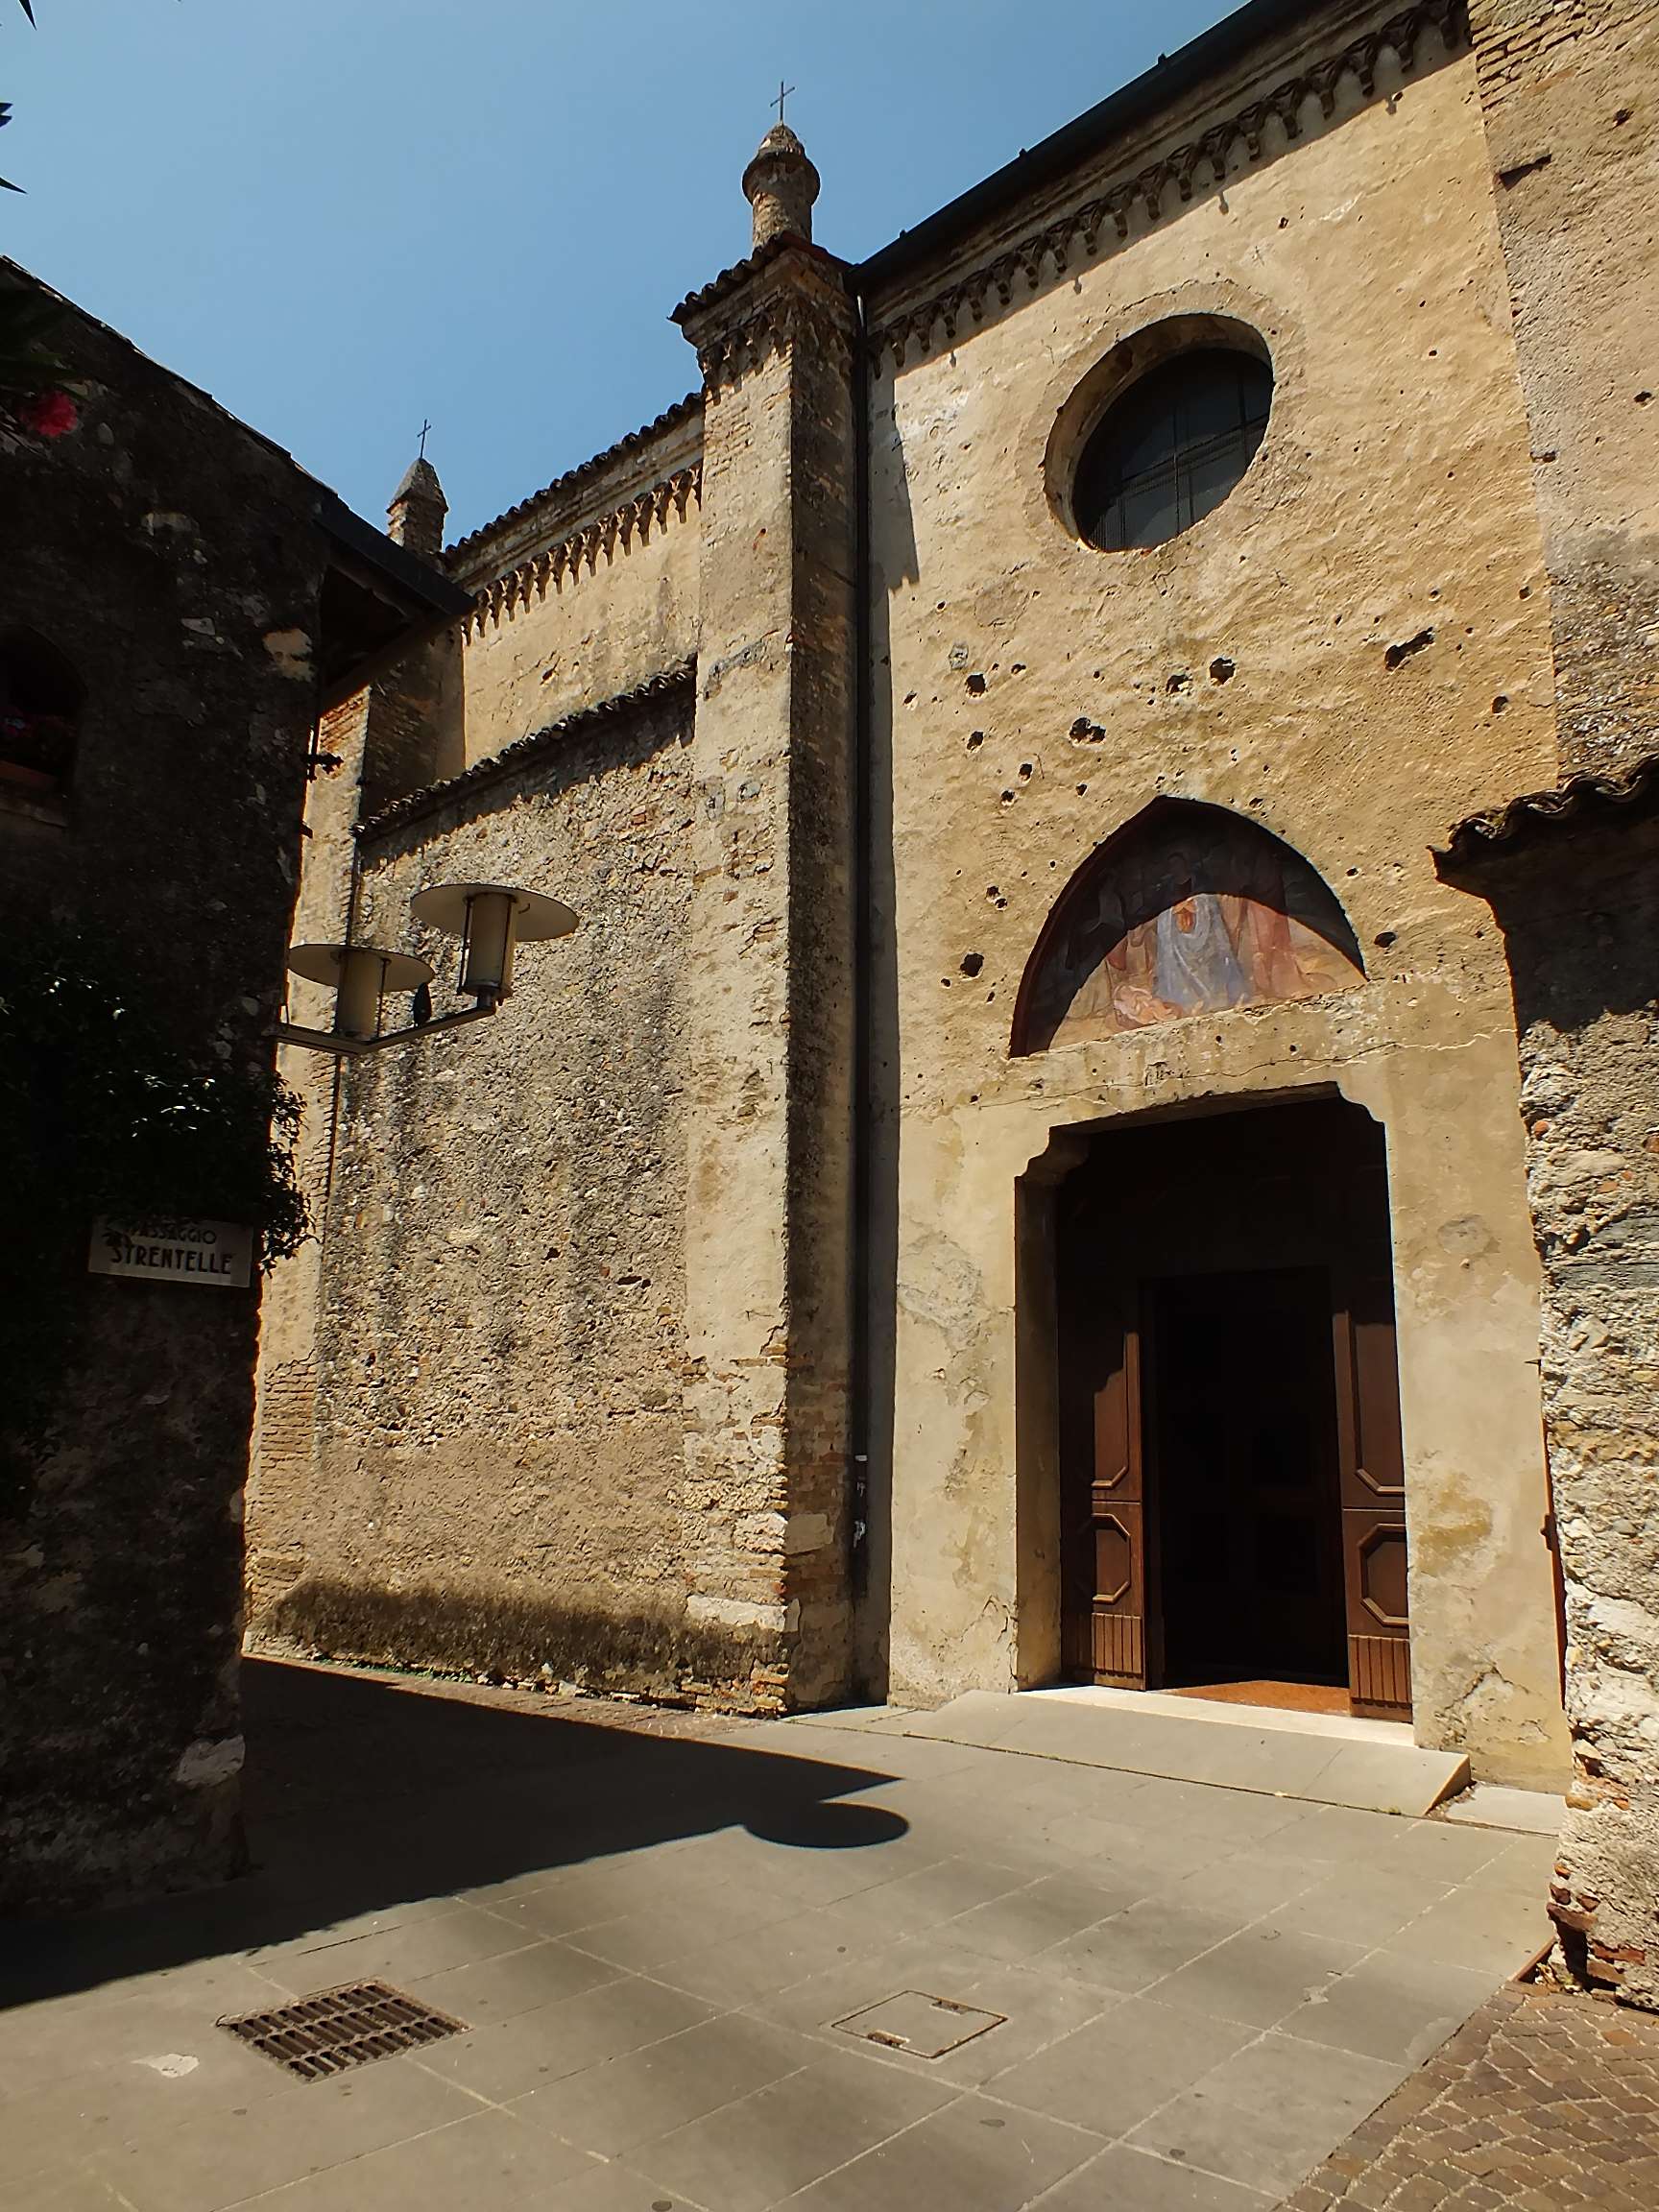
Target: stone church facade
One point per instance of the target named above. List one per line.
(1035, 1161)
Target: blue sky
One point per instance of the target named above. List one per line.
(340, 216)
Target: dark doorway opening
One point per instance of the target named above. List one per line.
(1243, 1444)
(1232, 1486)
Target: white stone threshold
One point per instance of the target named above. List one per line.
(1226, 1714)
(1316, 1758)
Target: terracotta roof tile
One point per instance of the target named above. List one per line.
(1499, 828)
(733, 278)
(670, 419)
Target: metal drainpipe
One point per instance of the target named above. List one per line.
(863, 1043)
(337, 1084)
(337, 1078)
(314, 768)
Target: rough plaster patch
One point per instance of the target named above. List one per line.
(807, 1532)
(941, 1285)
(206, 1762)
(1623, 1617)
(741, 1613)
(760, 1532)
(1467, 1237)
(290, 650)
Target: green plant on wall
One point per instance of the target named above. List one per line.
(5, 184)
(103, 1112)
(28, 319)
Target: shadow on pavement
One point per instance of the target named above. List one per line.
(363, 1795)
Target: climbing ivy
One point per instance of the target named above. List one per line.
(103, 1112)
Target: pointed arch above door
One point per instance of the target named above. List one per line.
(1187, 909)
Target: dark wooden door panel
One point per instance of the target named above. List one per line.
(1374, 1542)
(1103, 1599)
(1117, 1609)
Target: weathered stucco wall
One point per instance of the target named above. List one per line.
(594, 616)
(1571, 90)
(586, 590)
(1033, 694)
(498, 1480)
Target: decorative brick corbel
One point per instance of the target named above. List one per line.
(1244, 132)
(610, 536)
(786, 293)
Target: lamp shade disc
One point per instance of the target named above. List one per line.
(326, 964)
(444, 906)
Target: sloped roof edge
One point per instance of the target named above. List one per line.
(670, 419)
(1497, 830)
(752, 265)
(499, 765)
(1086, 136)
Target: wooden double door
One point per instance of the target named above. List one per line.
(1232, 1483)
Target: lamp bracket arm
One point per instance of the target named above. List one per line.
(352, 1048)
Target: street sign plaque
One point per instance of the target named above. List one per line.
(213, 1254)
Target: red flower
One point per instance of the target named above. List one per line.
(51, 415)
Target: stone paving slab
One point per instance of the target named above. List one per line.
(659, 1930)
(1491, 1805)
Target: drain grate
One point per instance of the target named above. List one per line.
(927, 2027)
(337, 2029)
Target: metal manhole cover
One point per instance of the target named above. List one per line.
(927, 2027)
(336, 2029)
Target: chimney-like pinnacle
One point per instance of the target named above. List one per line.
(781, 186)
(416, 515)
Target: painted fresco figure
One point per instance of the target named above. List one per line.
(1152, 943)
(1197, 965)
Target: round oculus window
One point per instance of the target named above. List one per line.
(1171, 447)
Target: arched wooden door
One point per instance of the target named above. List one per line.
(1233, 1486)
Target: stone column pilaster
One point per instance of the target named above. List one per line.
(771, 987)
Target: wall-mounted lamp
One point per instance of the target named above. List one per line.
(489, 919)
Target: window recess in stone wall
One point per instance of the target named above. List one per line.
(1159, 432)
(40, 699)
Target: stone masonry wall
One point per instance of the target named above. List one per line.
(498, 1475)
(1587, 993)
(1569, 90)
(169, 553)
(280, 1460)
(584, 592)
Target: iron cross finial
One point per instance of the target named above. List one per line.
(784, 92)
(424, 427)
